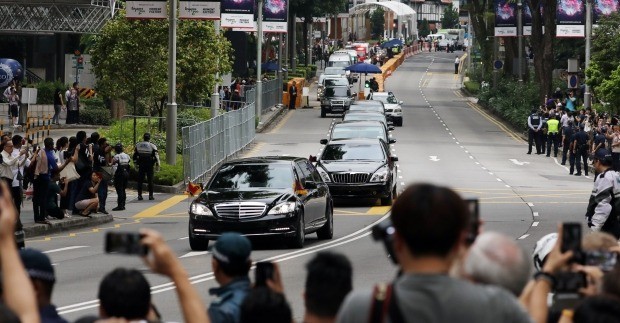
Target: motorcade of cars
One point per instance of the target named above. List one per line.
(279, 197)
(393, 107)
(336, 99)
(362, 50)
(368, 116)
(336, 80)
(359, 168)
(339, 60)
(359, 130)
(368, 105)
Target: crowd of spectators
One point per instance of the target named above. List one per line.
(444, 276)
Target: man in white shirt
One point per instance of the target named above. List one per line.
(457, 61)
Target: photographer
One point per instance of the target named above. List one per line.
(430, 229)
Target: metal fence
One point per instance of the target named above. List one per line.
(207, 144)
(272, 93)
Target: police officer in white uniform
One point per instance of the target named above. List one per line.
(145, 157)
(534, 124)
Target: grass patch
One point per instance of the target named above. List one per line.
(472, 87)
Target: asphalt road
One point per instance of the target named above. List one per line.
(445, 140)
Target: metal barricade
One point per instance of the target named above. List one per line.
(272, 93)
(209, 143)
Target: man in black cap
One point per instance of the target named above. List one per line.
(603, 208)
(231, 263)
(145, 156)
(580, 147)
(41, 272)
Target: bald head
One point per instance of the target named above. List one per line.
(496, 259)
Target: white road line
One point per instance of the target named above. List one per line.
(507, 185)
(194, 254)
(557, 163)
(65, 249)
(467, 151)
(483, 168)
(184, 238)
(530, 204)
(523, 236)
(535, 214)
(477, 163)
(498, 179)
(535, 224)
(490, 173)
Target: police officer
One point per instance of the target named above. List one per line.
(580, 147)
(146, 157)
(121, 173)
(534, 123)
(553, 135)
(543, 133)
(231, 264)
(603, 209)
(567, 133)
(600, 140)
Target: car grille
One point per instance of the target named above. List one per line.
(389, 110)
(240, 210)
(337, 102)
(350, 178)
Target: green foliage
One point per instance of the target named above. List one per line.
(192, 116)
(511, 100)
(45, 91)
(377, 22)
(472, 86)
(95, 115)
(450, 18)
(425, 29)
(605, 49)
(95, 102)
(122, 131)
(609, 89)
(169, 174)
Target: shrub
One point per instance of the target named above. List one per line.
(511, 100)
(95, 116)
(167, 175)
(45, 91)
(472, 87)
(95, 102)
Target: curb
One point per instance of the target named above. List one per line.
(278, 110)
(76, 221)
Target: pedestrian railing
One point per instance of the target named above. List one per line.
(272, 93)
(209, 143)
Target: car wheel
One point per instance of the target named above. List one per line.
(323, 113)
(300, 235)
(326, 232)
(400, 123)
(197, 243)
(386, 201)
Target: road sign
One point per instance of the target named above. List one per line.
(573, 81)
(498, 64)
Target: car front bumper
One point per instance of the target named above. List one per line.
(211, 228)
(364, 190)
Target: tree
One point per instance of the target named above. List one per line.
(483, 18)
(425, 29)
(377, 22)
(605, 50)
(609, 89)
(543, 43)
(450, 18)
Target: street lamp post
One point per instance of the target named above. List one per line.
(520, 38)
(215, 97)
(171, 117)
(259, 61)
(587, 96)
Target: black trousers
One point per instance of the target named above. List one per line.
(148, 172)
(291, 104)
(553, 139)
(120, 184)
(565, 152)
(582, 154)
(533, 138)
(39, 197)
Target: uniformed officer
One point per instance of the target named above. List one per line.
(567, 133)
(553, 135)
(145, 156)
(534, 123)
(543, 133)
(231, 264)
(580, 147)
(603, 209)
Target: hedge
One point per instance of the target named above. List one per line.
(95, 115)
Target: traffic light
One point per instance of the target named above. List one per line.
(367, 84)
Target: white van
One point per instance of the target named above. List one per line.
(339, 60)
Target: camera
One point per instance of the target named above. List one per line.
(384, 232)
(264, 271)
(569, 282)
(125, 243)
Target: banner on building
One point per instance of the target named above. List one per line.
(275, 15)
(527, 18)
(505, 18)
(570, 18)
(237, 13)
(155, 9)
(605, 8)
(200, 9)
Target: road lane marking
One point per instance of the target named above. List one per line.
(530, 204)
(65, 249)
(535, 224)
(161, 206)
(378, 210)
(281, 123)
(524, 236)
(194, 254)
(535, 214)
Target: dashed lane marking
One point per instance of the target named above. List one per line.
(524, 236)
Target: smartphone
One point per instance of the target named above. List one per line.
(605, 260)
(569, 282)
(571, 237)
(127, 243)
(474, 219)
(264, 271)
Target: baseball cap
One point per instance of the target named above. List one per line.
(543, 248)
(37, 264)
(602, 154)
(231, 248)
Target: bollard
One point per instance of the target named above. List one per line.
(49, 119)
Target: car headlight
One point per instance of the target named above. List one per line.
(282, 208)
(381, 175)
(200, 209)
(398, 110)
(324, 174)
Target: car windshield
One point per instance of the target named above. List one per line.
(385, 98)
(364, 117)
(370, 132)
(337, 91)
(243, 176)
(335, 82)
(334, 71)
(353, 151)
(339, 64)
(371, 108)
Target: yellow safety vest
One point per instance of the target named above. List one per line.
(552, 125)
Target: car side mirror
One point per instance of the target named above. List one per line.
(394, 158)
(390, 128)
(323, 141)
(400, 102)
(392, 141)
(312, 159)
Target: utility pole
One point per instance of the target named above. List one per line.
(171, 118)
(259, 62)
(215, 97)
(520, 38)
(587, 96)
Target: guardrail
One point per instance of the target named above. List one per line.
(209, 143)
(272, 93)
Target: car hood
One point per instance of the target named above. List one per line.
(267, 196)
(365, 166)
(391, 106)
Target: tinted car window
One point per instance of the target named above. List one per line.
(253, 176)
(353, 151)
(337, 91)
(366, 108)
(339, 64)
(336, 82)
(303, 172)
(364, 117)
(334, 70)
(369, 132)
